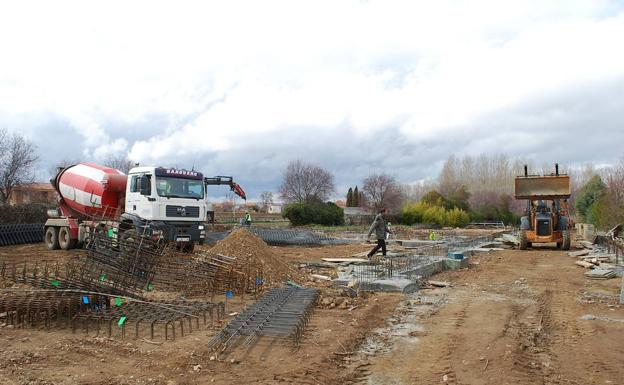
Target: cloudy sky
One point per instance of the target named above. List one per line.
(242, 88)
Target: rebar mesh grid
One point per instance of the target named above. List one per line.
(16, 234)
(89, 310)
(281, 313)
(291, 237)
(388, 268)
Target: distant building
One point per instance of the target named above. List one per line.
(357, 216)
(33, 193)
(341, 203)
(275, 209)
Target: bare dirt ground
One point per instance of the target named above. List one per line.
(518, 317)
(57, 356)
(514, 317)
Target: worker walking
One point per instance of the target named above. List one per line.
(380, 228)
(247, 219)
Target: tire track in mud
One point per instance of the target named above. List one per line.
(534, 359)
(530, 354)
(453, 340)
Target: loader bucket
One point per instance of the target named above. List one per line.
(542, 187)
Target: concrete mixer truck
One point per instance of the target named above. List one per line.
(163, 203)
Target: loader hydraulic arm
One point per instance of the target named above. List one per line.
(226, 180)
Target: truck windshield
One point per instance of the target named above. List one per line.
(179, 188)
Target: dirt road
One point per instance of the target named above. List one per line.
(518, 317)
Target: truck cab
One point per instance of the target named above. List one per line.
(172, 201)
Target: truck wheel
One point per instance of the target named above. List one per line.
(65, 240)
(523, 240)
(51, 238)
(566, 240)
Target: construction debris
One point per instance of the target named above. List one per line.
(510, 238)
(344, 260)
(586, 244)
(600, 273)
(321, 277)
(584, 264)
(579, 253)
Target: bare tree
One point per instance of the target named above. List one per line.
(63, 163)
(382, 190)
(121, 163)
(17, 159)
(414, 192)
(305, 182)
(266, 199)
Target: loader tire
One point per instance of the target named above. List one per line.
(64, 239)
(51, 238)
(566, 240)
(523, 240)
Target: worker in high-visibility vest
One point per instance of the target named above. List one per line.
(247, 219)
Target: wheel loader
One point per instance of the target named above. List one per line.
(546, 219)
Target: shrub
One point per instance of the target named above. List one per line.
(457, 218)
(327, 214)
(435, 215)
(24, 213)
(589, 194)
(434, 198)
(413, 213)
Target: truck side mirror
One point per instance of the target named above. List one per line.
(144, 184)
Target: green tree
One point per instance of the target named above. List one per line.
(588, 195)
(433, 198)
(350, 197)
(459, 199)
(307, 213)
(356, 197)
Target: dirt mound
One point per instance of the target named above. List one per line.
(248, 248)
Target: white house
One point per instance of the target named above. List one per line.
(274, 209)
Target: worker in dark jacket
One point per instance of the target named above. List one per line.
(380, 228)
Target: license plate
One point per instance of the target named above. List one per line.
(183, 239)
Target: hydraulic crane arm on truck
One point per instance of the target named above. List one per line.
(226, 180)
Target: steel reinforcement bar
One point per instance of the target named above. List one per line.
(17, 234)
(89, 310)
(280, 313)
